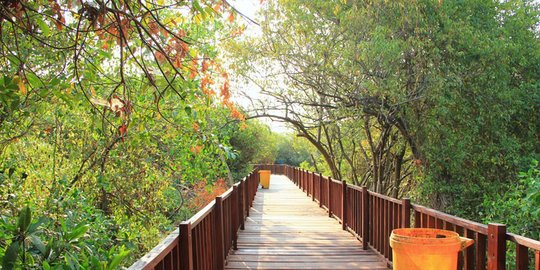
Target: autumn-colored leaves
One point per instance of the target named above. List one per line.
(204, 194)
(119, 46)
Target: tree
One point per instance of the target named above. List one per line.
(329, 90)
(436, 97)
(256, 144)
(110, 114)
(293, 151)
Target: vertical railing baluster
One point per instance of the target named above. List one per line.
(344, 205)
(312, 176)
(365, 218)
(241, 200)
(329, 202)
(320, 190)
(406, 215)
(480, 249)
(246, 193)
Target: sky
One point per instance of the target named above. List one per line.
(249, 9)
(246, 7)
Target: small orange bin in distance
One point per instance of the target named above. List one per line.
(426, 249)
(264, 176)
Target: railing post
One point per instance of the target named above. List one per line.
(304, 182)
(236, 215)
(218, 227)
(537, 260)
(365, 218)
(300, 180)
(308, 184)
(496, 246)
(344, 206)
(320, 189)
(254, 188)
(329, 194)
(241, 201)
(406, 213)
(186, 246)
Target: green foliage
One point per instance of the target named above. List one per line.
(34, 245)
(519, 206)
(480, 127)
(436, 99)
(108, 118)
(254, 145)
(293, 151)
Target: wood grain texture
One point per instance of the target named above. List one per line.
(287, 230)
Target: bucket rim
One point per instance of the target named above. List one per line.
(425, 236)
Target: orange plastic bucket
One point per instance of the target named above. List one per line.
(265, 178)
(426, 249)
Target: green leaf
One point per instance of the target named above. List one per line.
(34, 226)
(46, 265)
(61, 95)
(14, 60)
(79, 231)
(197, 6)
(71, 261)
(33, 80)
(10, 257)
(38, 244)
(43, 27)
(25, 216)
(117, 259)
(188, 110)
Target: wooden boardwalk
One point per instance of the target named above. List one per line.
(287, 230)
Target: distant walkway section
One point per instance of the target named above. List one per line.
(287, 230)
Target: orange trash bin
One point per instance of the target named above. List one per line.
(265, 178)
(426, 249)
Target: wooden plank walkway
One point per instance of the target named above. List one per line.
(286, 230)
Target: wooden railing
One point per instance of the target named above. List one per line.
(203, 241)
(371, 217)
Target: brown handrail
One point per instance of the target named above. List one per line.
(204, 240)
(371, 217)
